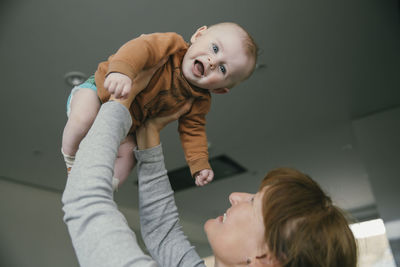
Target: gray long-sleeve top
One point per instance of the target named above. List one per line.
(99, 232)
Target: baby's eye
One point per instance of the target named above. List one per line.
(222, 69)
(215, 48)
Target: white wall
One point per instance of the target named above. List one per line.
(378, 139)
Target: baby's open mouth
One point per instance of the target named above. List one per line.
(198, 68)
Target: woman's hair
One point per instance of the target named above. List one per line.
(302, 226)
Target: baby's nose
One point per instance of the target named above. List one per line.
(212, 64)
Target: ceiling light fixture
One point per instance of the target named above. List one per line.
(74, 78)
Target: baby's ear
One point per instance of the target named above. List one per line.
(220, 90)
(198, 33)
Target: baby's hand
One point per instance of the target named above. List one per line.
(203, 177)
(118, 84)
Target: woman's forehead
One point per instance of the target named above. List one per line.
(258, 202)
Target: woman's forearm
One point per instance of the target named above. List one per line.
(159, 219)
(99, 232)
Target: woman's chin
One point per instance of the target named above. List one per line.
(209, 225)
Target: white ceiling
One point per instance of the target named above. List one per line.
(327, 64)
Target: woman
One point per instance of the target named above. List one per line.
(288, 222)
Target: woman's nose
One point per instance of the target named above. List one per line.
(235, 198)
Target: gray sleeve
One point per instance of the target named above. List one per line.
(99, 232)
(159, 218)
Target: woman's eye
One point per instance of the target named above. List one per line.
(215, 48)
(223, 69)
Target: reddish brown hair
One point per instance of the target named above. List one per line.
(302, 226)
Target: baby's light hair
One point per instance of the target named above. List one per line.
(249, 44)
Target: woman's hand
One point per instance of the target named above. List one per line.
(148, 135)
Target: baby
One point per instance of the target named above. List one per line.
(217, 58)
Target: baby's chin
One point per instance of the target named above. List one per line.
(191, 81)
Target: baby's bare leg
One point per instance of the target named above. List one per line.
(84, 107)
(125, 161)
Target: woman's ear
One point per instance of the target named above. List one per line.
(220, 90)
(198, 33)
(266, 258)
(267, 261)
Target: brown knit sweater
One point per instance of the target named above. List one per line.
(166, 92)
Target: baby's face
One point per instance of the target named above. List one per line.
(216, 58)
